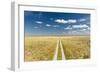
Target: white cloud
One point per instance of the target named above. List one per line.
(39, 22)
(55, 25)
(65, 21)
(81, 26)
(61, 21)
(48, 25)
(88, 28)
(72, 21)
(67, 28)
(81, 20)
(84, 29)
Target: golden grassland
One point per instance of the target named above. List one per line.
(39, 48)
(76, 47)
(43, 48)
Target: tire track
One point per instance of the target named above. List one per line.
(59, 43)
(56, 51)
(62, 51)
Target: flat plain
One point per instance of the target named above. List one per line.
(43, 48)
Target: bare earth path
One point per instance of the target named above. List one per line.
(59, 43)
(56, 52)
(62, 50)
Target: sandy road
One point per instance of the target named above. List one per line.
(59, 43)
(62, 50)
(56, 52)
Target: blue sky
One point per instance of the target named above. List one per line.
(38, 23)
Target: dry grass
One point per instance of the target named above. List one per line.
(43, 48)
(76, 47)
(39, 48)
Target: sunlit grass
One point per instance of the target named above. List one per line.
(43, 48)
(76, 47)
(39, 48)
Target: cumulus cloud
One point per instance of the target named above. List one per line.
(84, 29)
(72, 21)
(48, 25)
(61, 21)
(68, 28)
(65, 21)
(55, 25)
(81, 20)
(39, 22)
(81, 26)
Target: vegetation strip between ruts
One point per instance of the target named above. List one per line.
(60, 54)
